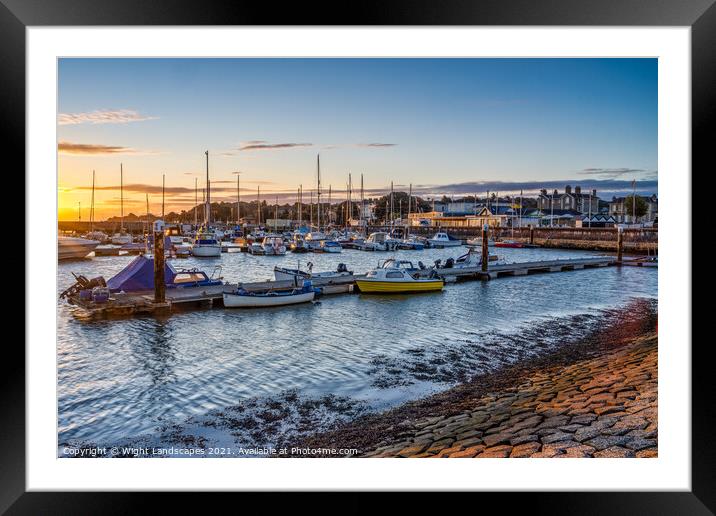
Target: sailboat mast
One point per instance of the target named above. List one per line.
(391, 204)
(318, 189)
(362, 200)
(162, 196)
(258, 206)
(196, 200)
(207, 217)
(92, 206)
(410, 197)
(146, 227)
(121, 199)
(238, 199)
(275, 217)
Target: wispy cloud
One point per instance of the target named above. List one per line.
(614, 173)
(102, 116)
(90, 148)
(142, 188)
(262, 145)
(93, 149)
(253, 145)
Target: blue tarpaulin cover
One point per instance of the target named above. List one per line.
(139, 275)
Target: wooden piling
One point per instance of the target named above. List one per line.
(485, 253)
(620, 243)
(159, 285)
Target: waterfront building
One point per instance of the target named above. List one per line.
(483, 216)
(623, 214)
(569, 200)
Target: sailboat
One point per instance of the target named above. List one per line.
(206, 243)
(93, 234)
(122, 237)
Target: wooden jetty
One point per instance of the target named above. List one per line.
(123, 304)
(523, 268)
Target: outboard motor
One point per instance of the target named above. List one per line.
(449, 263)
(82, 283)
(342, 268)
(421, 265)
(437, 263)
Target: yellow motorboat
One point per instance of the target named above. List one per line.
(396, 278)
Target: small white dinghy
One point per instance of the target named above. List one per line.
(244, 299)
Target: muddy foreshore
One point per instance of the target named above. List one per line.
(484, 372)
(594, 395)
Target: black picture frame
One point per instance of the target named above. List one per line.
(700, 15)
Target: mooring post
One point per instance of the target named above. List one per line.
(620, 243)
(485, 255)
(532, 234)
(159, 286)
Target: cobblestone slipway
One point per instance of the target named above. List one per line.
(604, 406)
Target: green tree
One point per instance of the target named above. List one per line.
(637, 208)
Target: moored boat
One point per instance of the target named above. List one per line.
(74, 248)
(121, 238)
(513, 244)
(206, 244)
(243, 299)
(477, 242)
(331, 246)
(283, 273)
(442, 239)
(273, 245)
(396, 280)
(138, 276)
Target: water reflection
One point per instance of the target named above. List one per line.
(123, 377)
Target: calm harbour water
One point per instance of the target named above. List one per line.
(120, 378)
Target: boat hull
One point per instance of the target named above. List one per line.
(444, 243)
(121, 240)
(239, 301)
(206, 251)
(398, 287)
(75, 248)
(285, 275)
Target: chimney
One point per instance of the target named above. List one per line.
(578, 190)
(544, 191)
(568, 189)
(594, 193)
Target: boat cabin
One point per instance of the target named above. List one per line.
(377, 238)
(392, 263)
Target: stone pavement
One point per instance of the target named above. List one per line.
(599, 407)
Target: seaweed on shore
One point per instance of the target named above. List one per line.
(610, 329)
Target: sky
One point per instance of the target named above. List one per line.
(447, 126)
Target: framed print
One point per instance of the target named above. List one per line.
(313, 257)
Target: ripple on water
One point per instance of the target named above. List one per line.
(124, 377)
